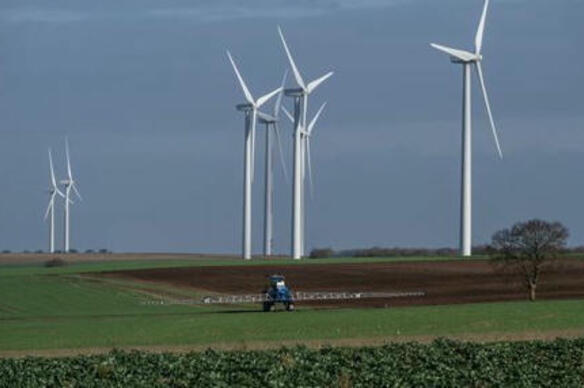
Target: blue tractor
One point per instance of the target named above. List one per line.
(277, 292)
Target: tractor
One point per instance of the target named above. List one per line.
(277, 292)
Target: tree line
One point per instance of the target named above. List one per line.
(526, 249)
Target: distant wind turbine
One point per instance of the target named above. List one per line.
(300, 96)
(50, 213)
(467, 59)
(251, 111)
(69, 184)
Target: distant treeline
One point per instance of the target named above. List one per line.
(320, 253)
(40, 251)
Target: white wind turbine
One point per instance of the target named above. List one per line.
(271, 122)
(69, 184)
(251, 111)
(467, 59)
(50, 213)
(300, 96)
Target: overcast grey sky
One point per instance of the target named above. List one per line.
(145, 93)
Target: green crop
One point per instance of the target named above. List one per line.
(441, 364)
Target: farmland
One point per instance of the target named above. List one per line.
(99, 322)
(77, 308)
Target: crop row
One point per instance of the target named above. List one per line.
(442, 363)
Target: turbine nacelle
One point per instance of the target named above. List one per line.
(458, 56)
(295, 92)
(244, 107)
(454, 59)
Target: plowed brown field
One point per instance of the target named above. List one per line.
(444, 282)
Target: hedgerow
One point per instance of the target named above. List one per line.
(443, 363)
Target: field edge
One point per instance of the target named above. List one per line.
(242, 345)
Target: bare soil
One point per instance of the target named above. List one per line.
(444, 282)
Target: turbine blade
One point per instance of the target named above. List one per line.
(308, 160)
(297, 75)
(68, 159)
(313, 122)
(266, 117)
(460, 54)
(288, 114)
(53, 180)
(263, 99)
(74, 186)
(281, 151)
(68, 195)
(246, 92)
(314, 84)
(481, 29)
(51, 203)
(59, 192)
(279, 99)
(488, 106)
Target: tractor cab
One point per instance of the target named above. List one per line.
(277, 282)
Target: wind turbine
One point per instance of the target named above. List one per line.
(250, 110)
(271, 121)
(50, 213)
(467, 60)
(69, 184)
(300, 96)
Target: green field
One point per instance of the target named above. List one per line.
(56, 308)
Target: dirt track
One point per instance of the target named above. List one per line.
(444, 282)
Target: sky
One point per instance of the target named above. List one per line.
(145, 93)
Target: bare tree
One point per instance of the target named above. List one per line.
(527, 247)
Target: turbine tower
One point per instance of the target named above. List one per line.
(271, 123)
(50, 213)
(250, 110)
(467, 60)
(300, 96)
(69, 184)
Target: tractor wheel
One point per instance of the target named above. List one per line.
(268, 306)
(290, 307)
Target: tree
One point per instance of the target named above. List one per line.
(527, 248)
(321, 253)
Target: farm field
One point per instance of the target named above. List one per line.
(97, 306)
(444, 282)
